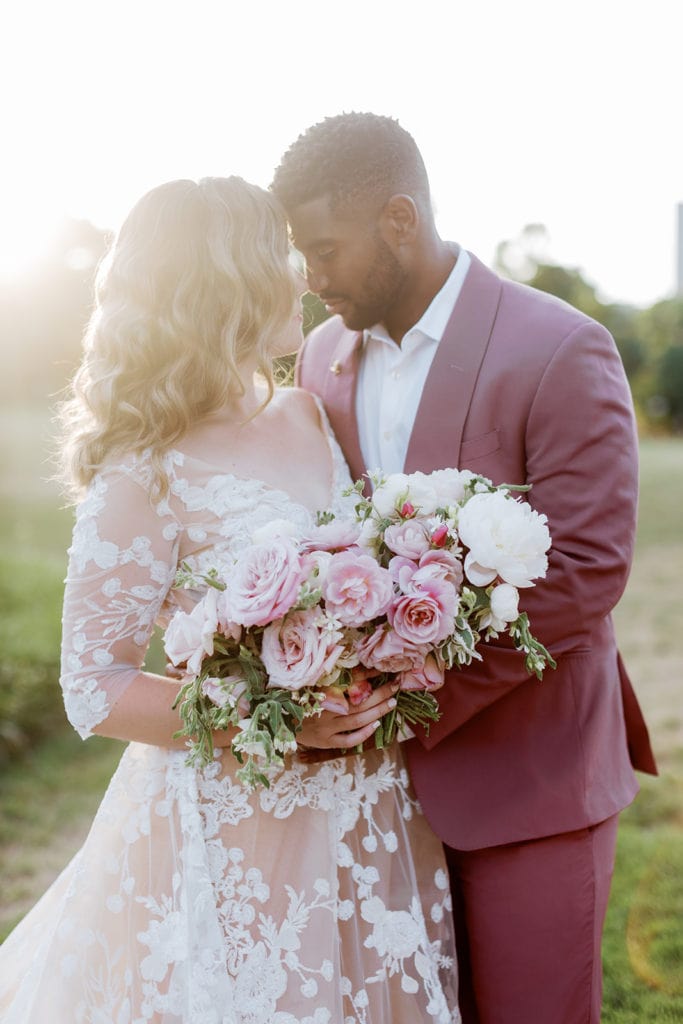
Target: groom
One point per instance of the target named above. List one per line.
(429, 361)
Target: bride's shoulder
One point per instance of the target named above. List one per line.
(301, 404)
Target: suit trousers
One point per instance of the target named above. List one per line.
(529, 919)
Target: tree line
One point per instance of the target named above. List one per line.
(43, 315)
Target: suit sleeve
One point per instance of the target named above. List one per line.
(581, 456)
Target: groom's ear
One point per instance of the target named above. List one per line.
(400, 220)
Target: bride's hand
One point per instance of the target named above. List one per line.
(333, 731)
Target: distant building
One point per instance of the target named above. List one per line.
(679, 250)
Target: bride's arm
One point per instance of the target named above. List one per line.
(122, 563)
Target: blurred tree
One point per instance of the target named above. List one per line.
(525, 259)
(42, 314)
(660, 331)
(670, 384)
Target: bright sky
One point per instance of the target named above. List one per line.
(568, 114)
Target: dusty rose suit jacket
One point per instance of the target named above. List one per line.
(524, 389)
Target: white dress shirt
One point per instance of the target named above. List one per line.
(391, 377)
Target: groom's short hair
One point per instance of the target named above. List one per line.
(354, 160)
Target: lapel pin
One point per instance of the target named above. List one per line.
(336, 368)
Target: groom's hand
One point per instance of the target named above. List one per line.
(331, 731)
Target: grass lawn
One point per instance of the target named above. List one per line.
(47, 798)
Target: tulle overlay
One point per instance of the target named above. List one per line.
(321, 900)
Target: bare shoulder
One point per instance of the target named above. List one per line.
(300, 403)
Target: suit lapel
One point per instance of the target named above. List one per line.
(339, 398)
(437, 433)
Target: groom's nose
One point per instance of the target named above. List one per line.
(317, 280)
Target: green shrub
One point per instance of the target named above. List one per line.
(30, 629)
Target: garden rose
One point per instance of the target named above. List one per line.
(356, 589)
(264, 582)
(409, 539)
(218, 610)
(386, 651)
(443, 564)
(425, 612)
(505, 538)
(335, 536)
(189, 636)
(427, 676)
(296, 652)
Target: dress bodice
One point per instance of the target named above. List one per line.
(126, 549)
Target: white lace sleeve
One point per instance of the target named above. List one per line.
(122, 562)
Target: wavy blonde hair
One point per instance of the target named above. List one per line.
(197, 280)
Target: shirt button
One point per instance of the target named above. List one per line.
(396, 374)
(386, 435)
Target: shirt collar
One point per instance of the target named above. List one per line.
(432, 323)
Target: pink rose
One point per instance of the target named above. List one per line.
(409, 539)
(444, 564)
(428, 676)
(217, 602)
(189, 636)
(440, 536)
(386, 651)
(264, 582)
(425, 612)
(356, 589)
(296, 652)
(335, 536)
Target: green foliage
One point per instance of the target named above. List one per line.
(670, 383)
(643, 939)
(30, 699)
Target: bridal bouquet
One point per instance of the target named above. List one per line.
(407, 587)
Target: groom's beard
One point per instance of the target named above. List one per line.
(384, 282)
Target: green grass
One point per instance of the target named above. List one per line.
(47, 798)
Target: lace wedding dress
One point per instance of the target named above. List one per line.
(322, 900)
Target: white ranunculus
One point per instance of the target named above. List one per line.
(504, 604)
(422, 493)
(385, 496)
(272, 529)
(505, 538)
(449, 485)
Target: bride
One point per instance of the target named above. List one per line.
(324, 899)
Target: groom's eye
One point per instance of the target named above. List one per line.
(324, 254)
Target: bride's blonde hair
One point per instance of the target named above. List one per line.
(197, 279)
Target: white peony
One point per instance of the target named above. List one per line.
(385, 497)
(449, 485)
(505, 537)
